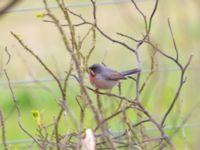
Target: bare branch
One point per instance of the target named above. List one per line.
(160, 128)
(112, 95)
(152, 15)
(174, 42)
(3, 131)
(9, 55)
(181, 83)
(103, 33)
(8, 6)
(141, 13)
(128, 37)
(94, 11)
(141, 122)
(111, 117)
(150, 73)
(38, 59)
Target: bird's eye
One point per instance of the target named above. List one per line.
(93, 68)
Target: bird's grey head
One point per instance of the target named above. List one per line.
(96, 68)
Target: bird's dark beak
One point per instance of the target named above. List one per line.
(90, 67)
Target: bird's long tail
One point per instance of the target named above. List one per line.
(130, 72)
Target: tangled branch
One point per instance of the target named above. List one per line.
(133, 134)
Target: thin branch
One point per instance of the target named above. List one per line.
(128, 37)
(141, 13)
(11, 4)
(9, 55)
(181, 83)
(160, 128)
(152, 15)
(174, 42)
(64, 25)
(111, 117)
(94, 11)
(113, 95)
(115, 41)
(38, 59)
(103, 33)
(141, 122)
(149, 74)
(3, 131)
(164, 54)
(182, 77)
(141, 108)
(67, 78)
(70, 25)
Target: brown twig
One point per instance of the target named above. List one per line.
(38, 59)
(181, 83)
(85, 22)
(9, 55)
(160, 128)
(152, 16)
(149, 74)
(141, 13)
(128, 37)
(142, 109)
(3, 131)
(111, 117)
(182, 76)
(11, 4)
(141, 122)
(173, 39)
(113, 95)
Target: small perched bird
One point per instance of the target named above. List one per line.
(103, 77)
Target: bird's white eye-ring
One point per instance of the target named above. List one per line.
(92, 73)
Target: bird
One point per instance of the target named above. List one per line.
(102, 77)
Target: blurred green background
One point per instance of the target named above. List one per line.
(44, 39)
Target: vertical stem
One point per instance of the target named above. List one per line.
(3, 131)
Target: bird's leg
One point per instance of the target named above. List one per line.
(120, 89)
(96, 91)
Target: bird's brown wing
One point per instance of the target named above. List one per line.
(113, 75)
